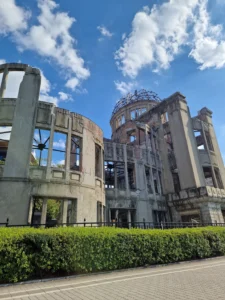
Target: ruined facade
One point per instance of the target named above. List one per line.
(75, 183)
(160, 165)
(173, 159)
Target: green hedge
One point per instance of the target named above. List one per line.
(36, 253)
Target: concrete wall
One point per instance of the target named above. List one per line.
(20, 182)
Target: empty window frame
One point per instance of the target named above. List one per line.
(131, 176)
(109, 174)
(120, 175)
(59, 150)
(120, 120)
(209, 176)
(40, 147)
(199, 140)
(72, 211)
(5, 132)
(75, 154)
(98, 161)
(13, 82)
(176, 182)
(137, 112)
(155, 181)
(148, 180)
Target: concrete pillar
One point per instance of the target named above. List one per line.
(129, 218)
(44, 211)
(206, 115)
(3, 83)
(64, 211)
(117, 215)
(166, 175)
(23, 126)
(184, 142)
(209, 154)
(68, 150)
(125, 169)
(50, 143)
(31, 207)
(110, 215)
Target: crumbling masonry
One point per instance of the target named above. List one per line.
(160, 164)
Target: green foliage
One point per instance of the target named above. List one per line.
(27, 253)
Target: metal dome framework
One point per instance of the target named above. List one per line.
(137, 96)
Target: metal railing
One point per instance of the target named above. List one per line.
(118, 224)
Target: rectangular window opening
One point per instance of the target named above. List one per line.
(155, 180)
(148, 180)
(5, 133)
(40, 147)
(176, 182)
(59, 150)
(209, 176)
(75, 154)
(131, 176)
(109, 174)
(13, 82)
(120, 175)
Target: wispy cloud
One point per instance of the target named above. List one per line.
(104, 32)
(125, 87)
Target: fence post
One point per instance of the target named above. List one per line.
(84, 222)
(144, 223)
(162, 225)
(116, 225)
(7, 222)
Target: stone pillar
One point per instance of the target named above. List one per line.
(125, 169)
(21, 140)
(64, 211)
(68, 150)
(110, 215)
(184, 142)
(206, 115)
(129, 218)
(50, 143)
(44, 211)
(166, 175)
(31, 207)
(3, 84)
(209, 154)
(117, 215)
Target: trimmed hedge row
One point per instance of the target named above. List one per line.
(27, 253)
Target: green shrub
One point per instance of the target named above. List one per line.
(27, 253)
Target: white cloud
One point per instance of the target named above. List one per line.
(60, 144)
(51, 38)
(12, 17)
(72, 83)
(104, 31)
(2, 61)
(64, 96)
(48, 98)
(124, 87)
(158, 35)
(45, 90)
(209, 45)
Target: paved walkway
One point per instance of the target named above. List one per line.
(201, 280)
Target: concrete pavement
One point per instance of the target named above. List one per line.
(199, 280)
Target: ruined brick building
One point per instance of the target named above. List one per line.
(160, 164)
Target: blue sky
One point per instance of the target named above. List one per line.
(93, 52)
